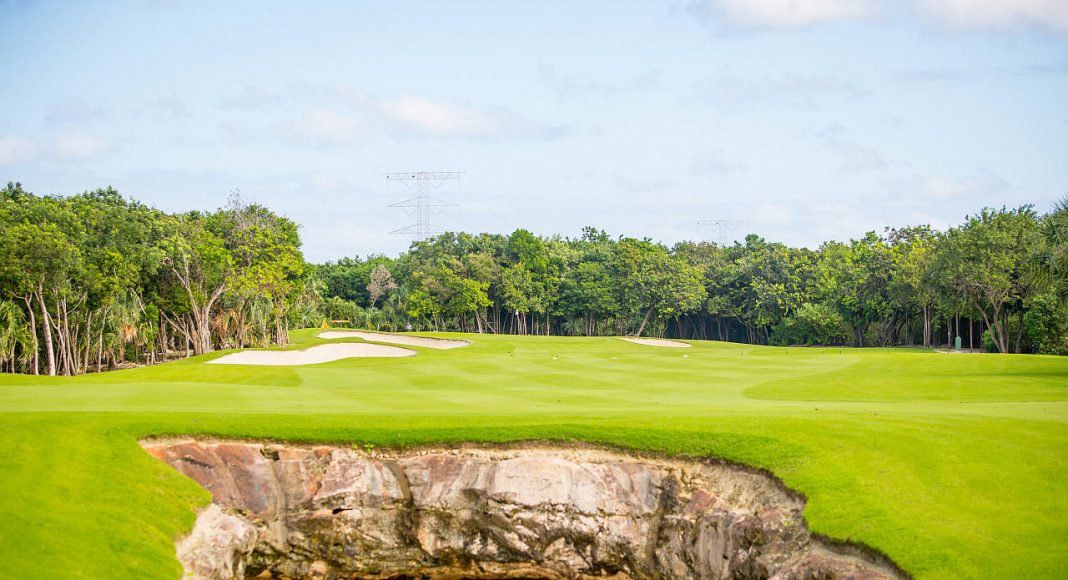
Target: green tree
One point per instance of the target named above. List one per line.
(1051, 255)
(656, 284)
(267, 263)
(854, 278)
(913, 284)
(201, 266)
(989, 259)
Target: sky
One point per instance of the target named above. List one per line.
(811, 120)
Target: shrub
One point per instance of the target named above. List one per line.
(988, 342)
(812, 324)
(1046, 322)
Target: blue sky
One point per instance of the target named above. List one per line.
(813, 120)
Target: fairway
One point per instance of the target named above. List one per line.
(954, 466)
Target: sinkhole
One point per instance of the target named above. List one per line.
(525, 511)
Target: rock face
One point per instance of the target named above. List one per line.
(289, 511)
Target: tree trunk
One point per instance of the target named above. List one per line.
(36, 363)
(57, 328)
(1019, 332)
(163, 344)
(46, 324)
(66, 339)
(100, 341)
(88, 342)
(1003, 339)
(956, 326)
(241, 323)
(200, 321)
(994, 325)
(641, 328)
(926, 326)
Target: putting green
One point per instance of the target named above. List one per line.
(954, 465)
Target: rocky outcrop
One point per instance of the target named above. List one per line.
(290, 511)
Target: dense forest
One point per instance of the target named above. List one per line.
(95, 281)
(98, 281)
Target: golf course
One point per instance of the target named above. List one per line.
(685, 290)
(953, 465)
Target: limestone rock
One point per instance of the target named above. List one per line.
(218, 546)
(333, 512)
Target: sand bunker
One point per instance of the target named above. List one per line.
(409, 340)
(314, 355)
(657, 342)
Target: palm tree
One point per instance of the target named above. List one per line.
(259, 316)
(1052, 255)
(14, 334)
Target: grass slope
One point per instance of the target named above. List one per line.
(955, 466)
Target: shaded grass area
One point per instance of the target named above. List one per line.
(953, 465)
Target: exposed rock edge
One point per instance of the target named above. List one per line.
(525, 511)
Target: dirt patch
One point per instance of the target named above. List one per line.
(656, 342)
(528, 511)
(406, 339)
(314, 355)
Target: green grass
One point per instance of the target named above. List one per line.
(954, 465)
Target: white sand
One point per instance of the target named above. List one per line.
(314, 355)
(407, 339)
(657, 342)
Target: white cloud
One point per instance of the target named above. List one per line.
(420, 116)
(918, 190)
(856, 157)
(944, 187)
(80, 147)
(643, 186)
(803, 91)
(1052, 14)
(250, 98)
(853, 157)
(841, 221)
(15, 150)
(787, 13)
(712, 163)
(170, 107)
(356, 117)
(570, 85)
(972, 14)
(440, 119)
(980, 185)
(74, 112)
(324, 126)
(774, 214)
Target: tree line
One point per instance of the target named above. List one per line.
(98, 281)
(999, 281)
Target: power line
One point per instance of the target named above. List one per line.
(722, 230)
(422, 205)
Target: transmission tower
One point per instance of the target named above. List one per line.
(422, 205)
(722, 230)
